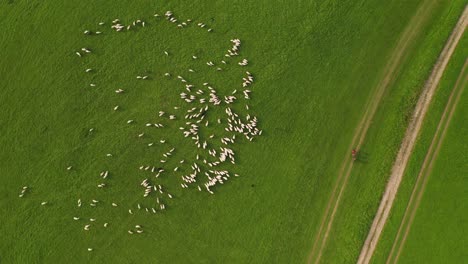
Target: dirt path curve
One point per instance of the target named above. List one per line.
(390, 70)
(409, 141)
(426, 168)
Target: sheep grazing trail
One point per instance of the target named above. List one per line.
(391, 70)
(408, 145)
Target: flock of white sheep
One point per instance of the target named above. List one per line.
(207, 168)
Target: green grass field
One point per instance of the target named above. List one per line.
(437, 233)
(315, 65)
(430, 239)
(368, 179)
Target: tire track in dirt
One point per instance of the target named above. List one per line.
(390, 71)
(428, 164)
(409, 141)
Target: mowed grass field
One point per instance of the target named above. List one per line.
(436, 234)
(369, 176)
(315, 64)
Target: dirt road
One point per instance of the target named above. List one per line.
(390, 71)
(409, 140)
(426, 168)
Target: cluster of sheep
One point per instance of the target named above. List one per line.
(117, 26)
(150, 188)
(219, 177)
(171, 18)
(244, 62)
(196, 115)
(82, 52)
(247, 81)
(23, 191)
(195, 120)
(235, 48)
(153, 169)
(249, 129)
(138, 230)
(87, 227)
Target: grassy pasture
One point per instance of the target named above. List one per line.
(437, 233)
(442, 205)
(315, 65)
(369, 177)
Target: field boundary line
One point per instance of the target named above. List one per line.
(410, 139)
(391, 68)
(428, 164)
